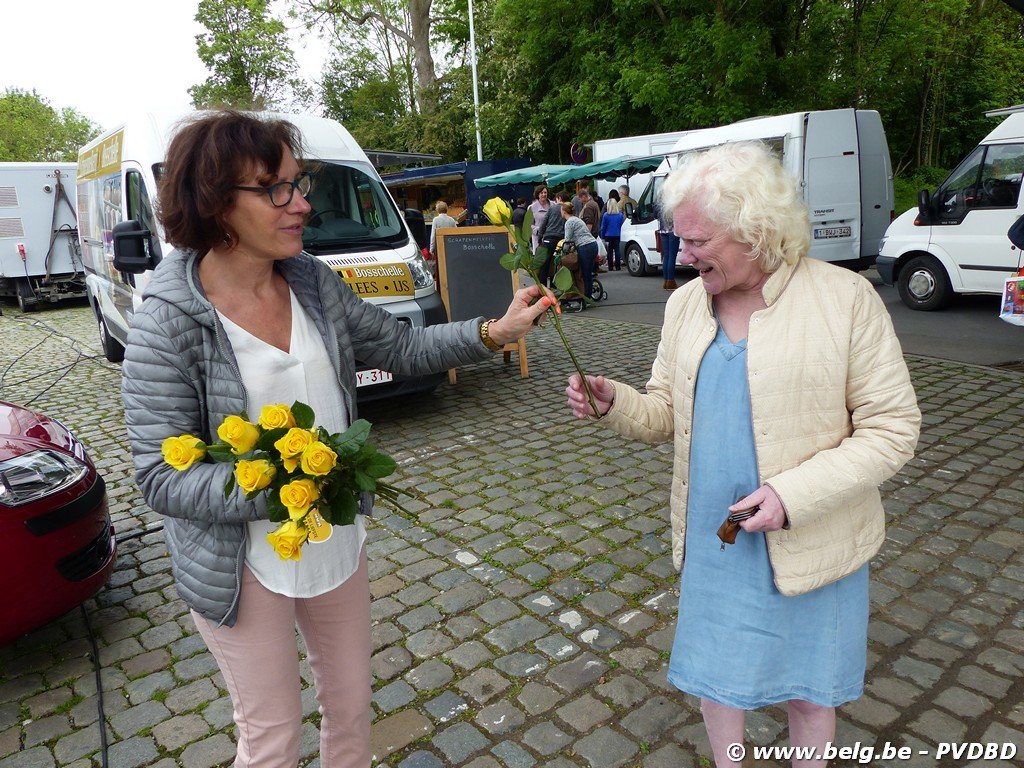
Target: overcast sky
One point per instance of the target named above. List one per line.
(105, 58)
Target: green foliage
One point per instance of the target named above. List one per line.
(248, 54)
(33, 131)
(636, 66)
(909, 184)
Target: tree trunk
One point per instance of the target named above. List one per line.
(426, 77)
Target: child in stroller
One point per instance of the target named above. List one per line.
(573, 301)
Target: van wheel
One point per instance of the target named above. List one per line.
(635, 261)
(924, 285)
(113, 350)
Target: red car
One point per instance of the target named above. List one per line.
(57, 545)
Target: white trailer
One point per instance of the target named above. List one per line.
(40, 258)
(634, 146)
(840, 158)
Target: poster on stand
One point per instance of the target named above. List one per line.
(1012, 307)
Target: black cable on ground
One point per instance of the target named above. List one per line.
(99, 689)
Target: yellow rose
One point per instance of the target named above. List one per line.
(254, 475)
(497, 212)
(318, 459)
(276, 416)
(239, 434)
(294, 443)
(287, 540)
(298, 496)
(183, 451)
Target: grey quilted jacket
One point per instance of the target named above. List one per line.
(180, 376)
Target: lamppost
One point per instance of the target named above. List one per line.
(476, 93)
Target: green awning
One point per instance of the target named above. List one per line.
(535, 174)
(608, 170)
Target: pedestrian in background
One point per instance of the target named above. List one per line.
(611, 230)
(783, 387)
(669, 248)
(237, 318)
(577, 199)
(540, 207)
(552, 231)
(441, 221)
(586, 244)
(519, 212)
(624, 198)
(590, 213)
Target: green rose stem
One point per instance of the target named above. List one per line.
(499, 214)
(558, 327)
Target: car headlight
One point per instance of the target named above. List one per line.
(421, 277)
(35, 475)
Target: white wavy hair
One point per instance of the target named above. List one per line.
(743, 188)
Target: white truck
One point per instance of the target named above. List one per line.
(635, 146)
(955, 240)
(841, 160)
(355, 227)
(40, 260)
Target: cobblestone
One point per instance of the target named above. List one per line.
(524, 617)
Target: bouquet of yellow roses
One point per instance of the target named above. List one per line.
(312, 479)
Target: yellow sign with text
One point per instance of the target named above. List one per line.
(101, 160)
(376, 280)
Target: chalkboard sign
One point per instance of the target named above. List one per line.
(472, 279)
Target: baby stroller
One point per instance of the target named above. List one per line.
(566, 255)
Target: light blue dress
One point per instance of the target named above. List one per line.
(739, 642)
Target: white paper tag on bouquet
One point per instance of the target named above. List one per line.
(318, 530)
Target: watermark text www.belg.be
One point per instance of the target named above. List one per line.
(866, 753)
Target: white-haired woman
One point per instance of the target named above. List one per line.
(784, 389)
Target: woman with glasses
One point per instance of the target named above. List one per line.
(238, 317)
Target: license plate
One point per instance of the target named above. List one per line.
(376, 280)
(826, 233)
(373, 376)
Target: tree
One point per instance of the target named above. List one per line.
(248, 53)
(33, 131)
(399, 33)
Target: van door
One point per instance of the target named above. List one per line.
(973, 209)
(832, 178)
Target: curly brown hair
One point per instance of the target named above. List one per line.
(209, 154)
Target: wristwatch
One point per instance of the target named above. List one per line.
(485, 336)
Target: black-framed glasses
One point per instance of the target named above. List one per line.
(281, 194)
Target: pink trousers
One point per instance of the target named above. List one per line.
(259, 659)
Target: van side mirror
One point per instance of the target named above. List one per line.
(1016, 233)
(629, 210)
(133, 248)
(924, 202)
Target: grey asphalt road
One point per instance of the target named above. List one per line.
(969, 331)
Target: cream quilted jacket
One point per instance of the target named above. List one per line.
(833, 409)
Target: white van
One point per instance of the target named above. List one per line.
(839, 156)
(955, 240)
(355, 227)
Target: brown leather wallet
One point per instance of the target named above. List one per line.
(731, 525)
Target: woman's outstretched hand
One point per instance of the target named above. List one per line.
(521, 315)
(770, 517)
(604, 395)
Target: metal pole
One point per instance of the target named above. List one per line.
(476, 94)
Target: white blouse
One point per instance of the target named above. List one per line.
(304, 373)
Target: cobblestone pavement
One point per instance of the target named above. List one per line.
(524, 617)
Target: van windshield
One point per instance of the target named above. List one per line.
(351, 211)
